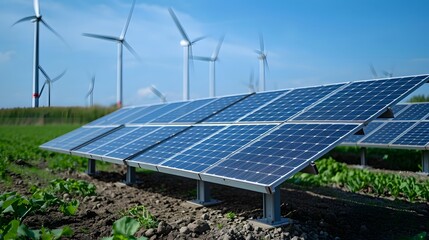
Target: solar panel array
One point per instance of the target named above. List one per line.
(408, 129)
(252, 141)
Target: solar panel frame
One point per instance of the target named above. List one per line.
(352, 140)
(166, 108)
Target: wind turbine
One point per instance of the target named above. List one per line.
(187, 52)
(37, 19)
(158, 93)
(90, 94)
(121, 42)
(212, 61)
(385, 73)
(251, 84)
(262, 56)
(49, 82)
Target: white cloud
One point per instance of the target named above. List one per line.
(6, 56)
(144, 92)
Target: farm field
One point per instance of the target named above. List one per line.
(340, 203)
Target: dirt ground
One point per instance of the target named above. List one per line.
(316, 212)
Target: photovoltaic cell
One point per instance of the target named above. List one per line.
(244, 107)
(398, 108)
(277, 154)
(181, 111)
(218, 146)
(175, 145)
(417, 136)
(414, 112)
(75, 138)
(158, 112)
(359, 101)
(388, 132)
(367, 130)
(209, 109)
(142, 141)
(290, 104)
(110, 118)
(137, 112)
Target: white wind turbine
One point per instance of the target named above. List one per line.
(212, 61)
(262, 56)
(49, 82)
(90, 94)
(186, 43)
(121, 42)
(37, 19)
(155, 91)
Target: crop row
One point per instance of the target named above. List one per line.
(332, 173)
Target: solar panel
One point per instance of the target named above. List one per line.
(75, 138)
(398, 108)
(388, 132)
(157, 112)
(417, 136)
(174, 145)
(181, 111)
(413, 112)
(110, 118)
(209, 109)
(360, 101)
(137, 112)
(367, 130)
(245, 106)
(290, 104)
(218, 146)
(280, 153)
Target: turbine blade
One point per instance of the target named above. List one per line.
(219, 45)
(54, 32)
(59, 76)
(205, 59)
(374, 73)
(128, 46)
(44, 73)
(198, 39)
(191, 57)
(266, 63)
(124, 31)
(41, 90)
(36, 8)
(108, 38)
(91, 86)
(261, 42)
(178, 25)
(24, 20)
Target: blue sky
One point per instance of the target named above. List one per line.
(309, 42)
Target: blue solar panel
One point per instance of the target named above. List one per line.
(175, 145)
(218, 146)
(157, 112)
(141, 141)
(398, 108)
(367, 130)
(181, 111)
(360, 101)
(75, 138)
(276, 155)
(414, 112)
(291, 103)
(388, 132)
(110, 118)
(209, 109)
(137, 112)
(417, 136)
(238, 110)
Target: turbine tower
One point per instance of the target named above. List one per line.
(37, 19)
(90, 94)
(262, 56)
(158, 93)
(187, 53)
(212, 61)
(49, 82)
(121, 42)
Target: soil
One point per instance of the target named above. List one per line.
(315, 212)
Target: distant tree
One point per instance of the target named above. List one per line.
(419, 98)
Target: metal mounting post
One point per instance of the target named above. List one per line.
(131, 175)
(425, 162)
(91, 167)
(271, 211)
(363, 162)
(204, 195)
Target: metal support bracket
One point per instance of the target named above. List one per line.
(130, 176)
(204, 195)
(91, 167)
(425, 162)
(363, 162)
(271, 211)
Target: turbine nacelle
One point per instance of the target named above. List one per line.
(185, 43)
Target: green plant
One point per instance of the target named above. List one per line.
(125, 228)
(230, 215)
(219, 226)
(142, 215)
(73, 187)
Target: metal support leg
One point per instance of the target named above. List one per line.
(204, 195)
(425, 162)
(131, 175)
(363, 162)
(271, 211)
(91, 167)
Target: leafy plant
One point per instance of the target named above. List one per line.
(73, 187)
(142, 215)
(125, 228)
(230, 215)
